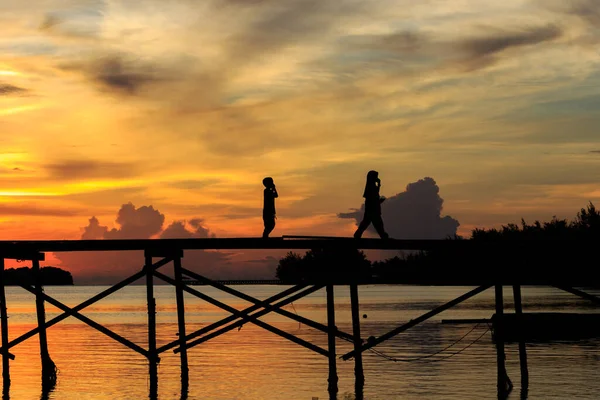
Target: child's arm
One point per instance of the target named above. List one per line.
(274, 190)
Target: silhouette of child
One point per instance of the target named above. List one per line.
(270, 194)
(372, 207)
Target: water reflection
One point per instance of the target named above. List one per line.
(252, 363)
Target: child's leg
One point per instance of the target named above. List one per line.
(269, 225)
(378, 225)
(364, 224)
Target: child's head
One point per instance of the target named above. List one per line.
(268, 182)
(372, 176)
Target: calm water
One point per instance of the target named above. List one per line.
(254, 364)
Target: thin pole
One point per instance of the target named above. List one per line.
(522, 348)
(331, 334)
(4, 321)
(152, 355)
(358, 366)
(181, 323)
(48, 366)
(503, 382)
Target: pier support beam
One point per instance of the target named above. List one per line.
(332, 387)
(504, 384)
(4, 324)
(358, 365)
(48, 366)
(152, 354)
(181, 324)
(522, 348)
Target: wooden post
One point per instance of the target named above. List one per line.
(503, 382)
(332, 387)
(181, 324)
(4, 323)
(48, 366)
(358, 366)
(152, 355)
(522, 348)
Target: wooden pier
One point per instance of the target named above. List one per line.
(160, 252)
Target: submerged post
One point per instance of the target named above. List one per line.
(152, 355)
(332, 387)
(522, 348)
(48, 366)
(358, 366)
(181, 322)
(503, 382)
(4, 323)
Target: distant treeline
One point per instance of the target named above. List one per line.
(558, 251)
(49, 276)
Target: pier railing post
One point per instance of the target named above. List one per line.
(331, 334)
(4, 323)
(358, 365)
(48, 366)
(152, 355)
(522, 348)
(181, 323)
(503, 382)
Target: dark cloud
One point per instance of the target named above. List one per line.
(414, 213)
(77, 169)
(119, 73)
(94, 230)
(17, 169)
(493, 44)
(7, 89)
(397, 42)
(411, 52)
(144, 222)
(588, 10)
(36, 209)
(595, 151)
(179, 230)
(115, 73)
(287, 23)
(136, 223)
(49, 22)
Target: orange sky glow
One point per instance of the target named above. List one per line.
(185, 106)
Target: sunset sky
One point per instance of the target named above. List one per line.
(186, 105)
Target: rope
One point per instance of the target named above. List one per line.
(425, 357)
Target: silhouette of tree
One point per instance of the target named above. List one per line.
(49, 276)
(558, 251)
(324, 265)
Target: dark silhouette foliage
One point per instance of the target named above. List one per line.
(324, 265)
(49, 276)
(559, 251)
(554, 252)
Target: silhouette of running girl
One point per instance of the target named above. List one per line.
(270, 194)
(372, 207)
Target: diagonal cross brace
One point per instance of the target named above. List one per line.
(269, 307)
(87, 303)
(68, 310)
(416, 321)
(580, 293)
(256, 315)
(248, 318)
(231, 318)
